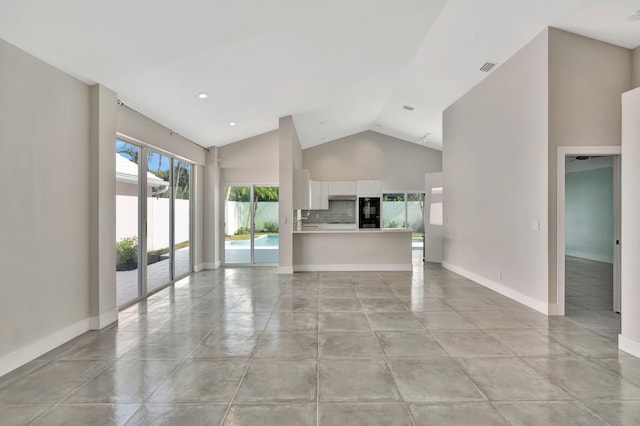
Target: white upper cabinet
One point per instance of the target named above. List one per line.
(342, 188)
(319, 195)
(369, 187)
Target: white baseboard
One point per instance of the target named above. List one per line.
(19, 357)
(353, 268)
(499, 288)
(589, 256)
(211, 265)
(629, 346)
(199, 267)
(98, 323)
(554, 310)
(285, 270)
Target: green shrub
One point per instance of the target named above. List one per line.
(271, 226)
(242, 231)
(127, 254)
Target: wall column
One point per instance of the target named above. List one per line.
(102, 196)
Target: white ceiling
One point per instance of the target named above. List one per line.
(338, 67)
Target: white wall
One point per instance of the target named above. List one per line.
(586, 80)
(495, 178)
(44, 220)
(401, 165)
(252, 160)
(629, 340)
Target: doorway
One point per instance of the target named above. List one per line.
(250, 226)
(588, 237)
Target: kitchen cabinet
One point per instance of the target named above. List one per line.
(301, 189)
(369, 187)
(342, 188)
(319, 195)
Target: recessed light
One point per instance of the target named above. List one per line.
(408, 108)
(232, 123)
(322, 123)
(634, 16)
(423, 139)
(203, 95)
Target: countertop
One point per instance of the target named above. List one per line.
(309, 230)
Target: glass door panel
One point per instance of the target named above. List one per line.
(158, 220)
(181, 218)
(265, 219)
(128, 284)
(237, 225)
(394, 211)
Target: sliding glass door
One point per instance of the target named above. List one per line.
(251, 224)
(128, 282)
(265, 219)
(153, 221)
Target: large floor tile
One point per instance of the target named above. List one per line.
(444, 321)
(547, 414)
(271, 415)
(466, 414)
(21, 414)
(51, 383)
(269, 381)
(492, 320)
(409, 344)
(202, 381)
(470, 343)
(385, 321)
(290, 321)
(242, 321)
(469, 303)
(383, 304)
(348, 345)
(288, 345)
(340, 304)
(585, 379)
(616, 413)
(510, 379)
(125, 381)
(178, 414)
(434, 380)
(358, 380)
(529, 343)
(227, 344)
(371, 414)
(343, 321)
(87, 414)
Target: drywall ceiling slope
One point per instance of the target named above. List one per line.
(337, 67)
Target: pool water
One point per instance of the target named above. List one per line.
(271, 240)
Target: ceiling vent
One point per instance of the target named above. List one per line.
(408, 108)
(488, 66)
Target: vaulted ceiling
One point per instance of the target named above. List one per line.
(338, 67)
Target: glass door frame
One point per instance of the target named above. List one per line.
(143, 151)
(252, 224)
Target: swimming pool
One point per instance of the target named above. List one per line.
(271, 240)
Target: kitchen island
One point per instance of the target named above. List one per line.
(349, 249)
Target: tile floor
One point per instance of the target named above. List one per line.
(244, 346)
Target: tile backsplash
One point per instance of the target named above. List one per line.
(340, 211)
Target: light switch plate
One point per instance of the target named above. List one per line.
(535, 225)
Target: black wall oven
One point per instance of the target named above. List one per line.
(369, 212)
